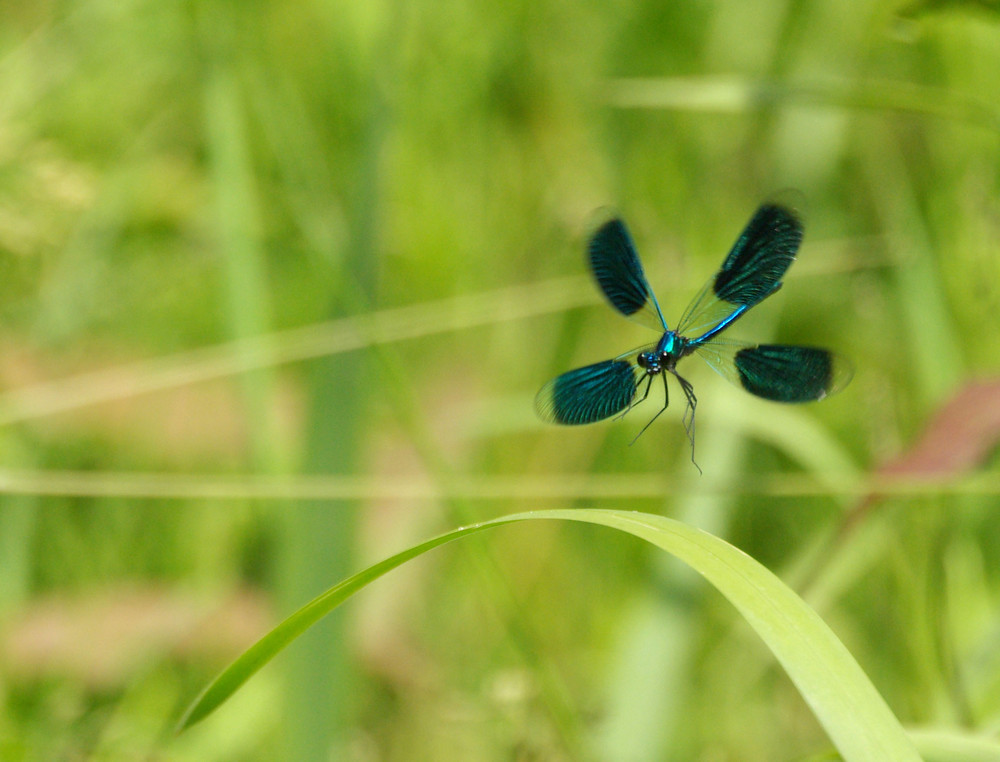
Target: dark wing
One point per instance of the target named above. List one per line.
(752, 272)
(779, 372)
(589, 394)
(616, 266)
(760, 256)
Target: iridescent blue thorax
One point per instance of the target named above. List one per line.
(664, 356)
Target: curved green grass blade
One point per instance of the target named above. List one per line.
(955, 746)
(855, 716)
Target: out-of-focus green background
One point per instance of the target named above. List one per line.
(278, 283)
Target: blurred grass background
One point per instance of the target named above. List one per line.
(280, 280)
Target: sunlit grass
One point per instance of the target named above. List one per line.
(279, 284)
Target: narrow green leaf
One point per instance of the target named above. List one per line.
(955, 746)
(855, 716)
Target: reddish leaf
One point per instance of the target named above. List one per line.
(960, 435)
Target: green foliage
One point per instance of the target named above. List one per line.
(278, 283)
(837, 690)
